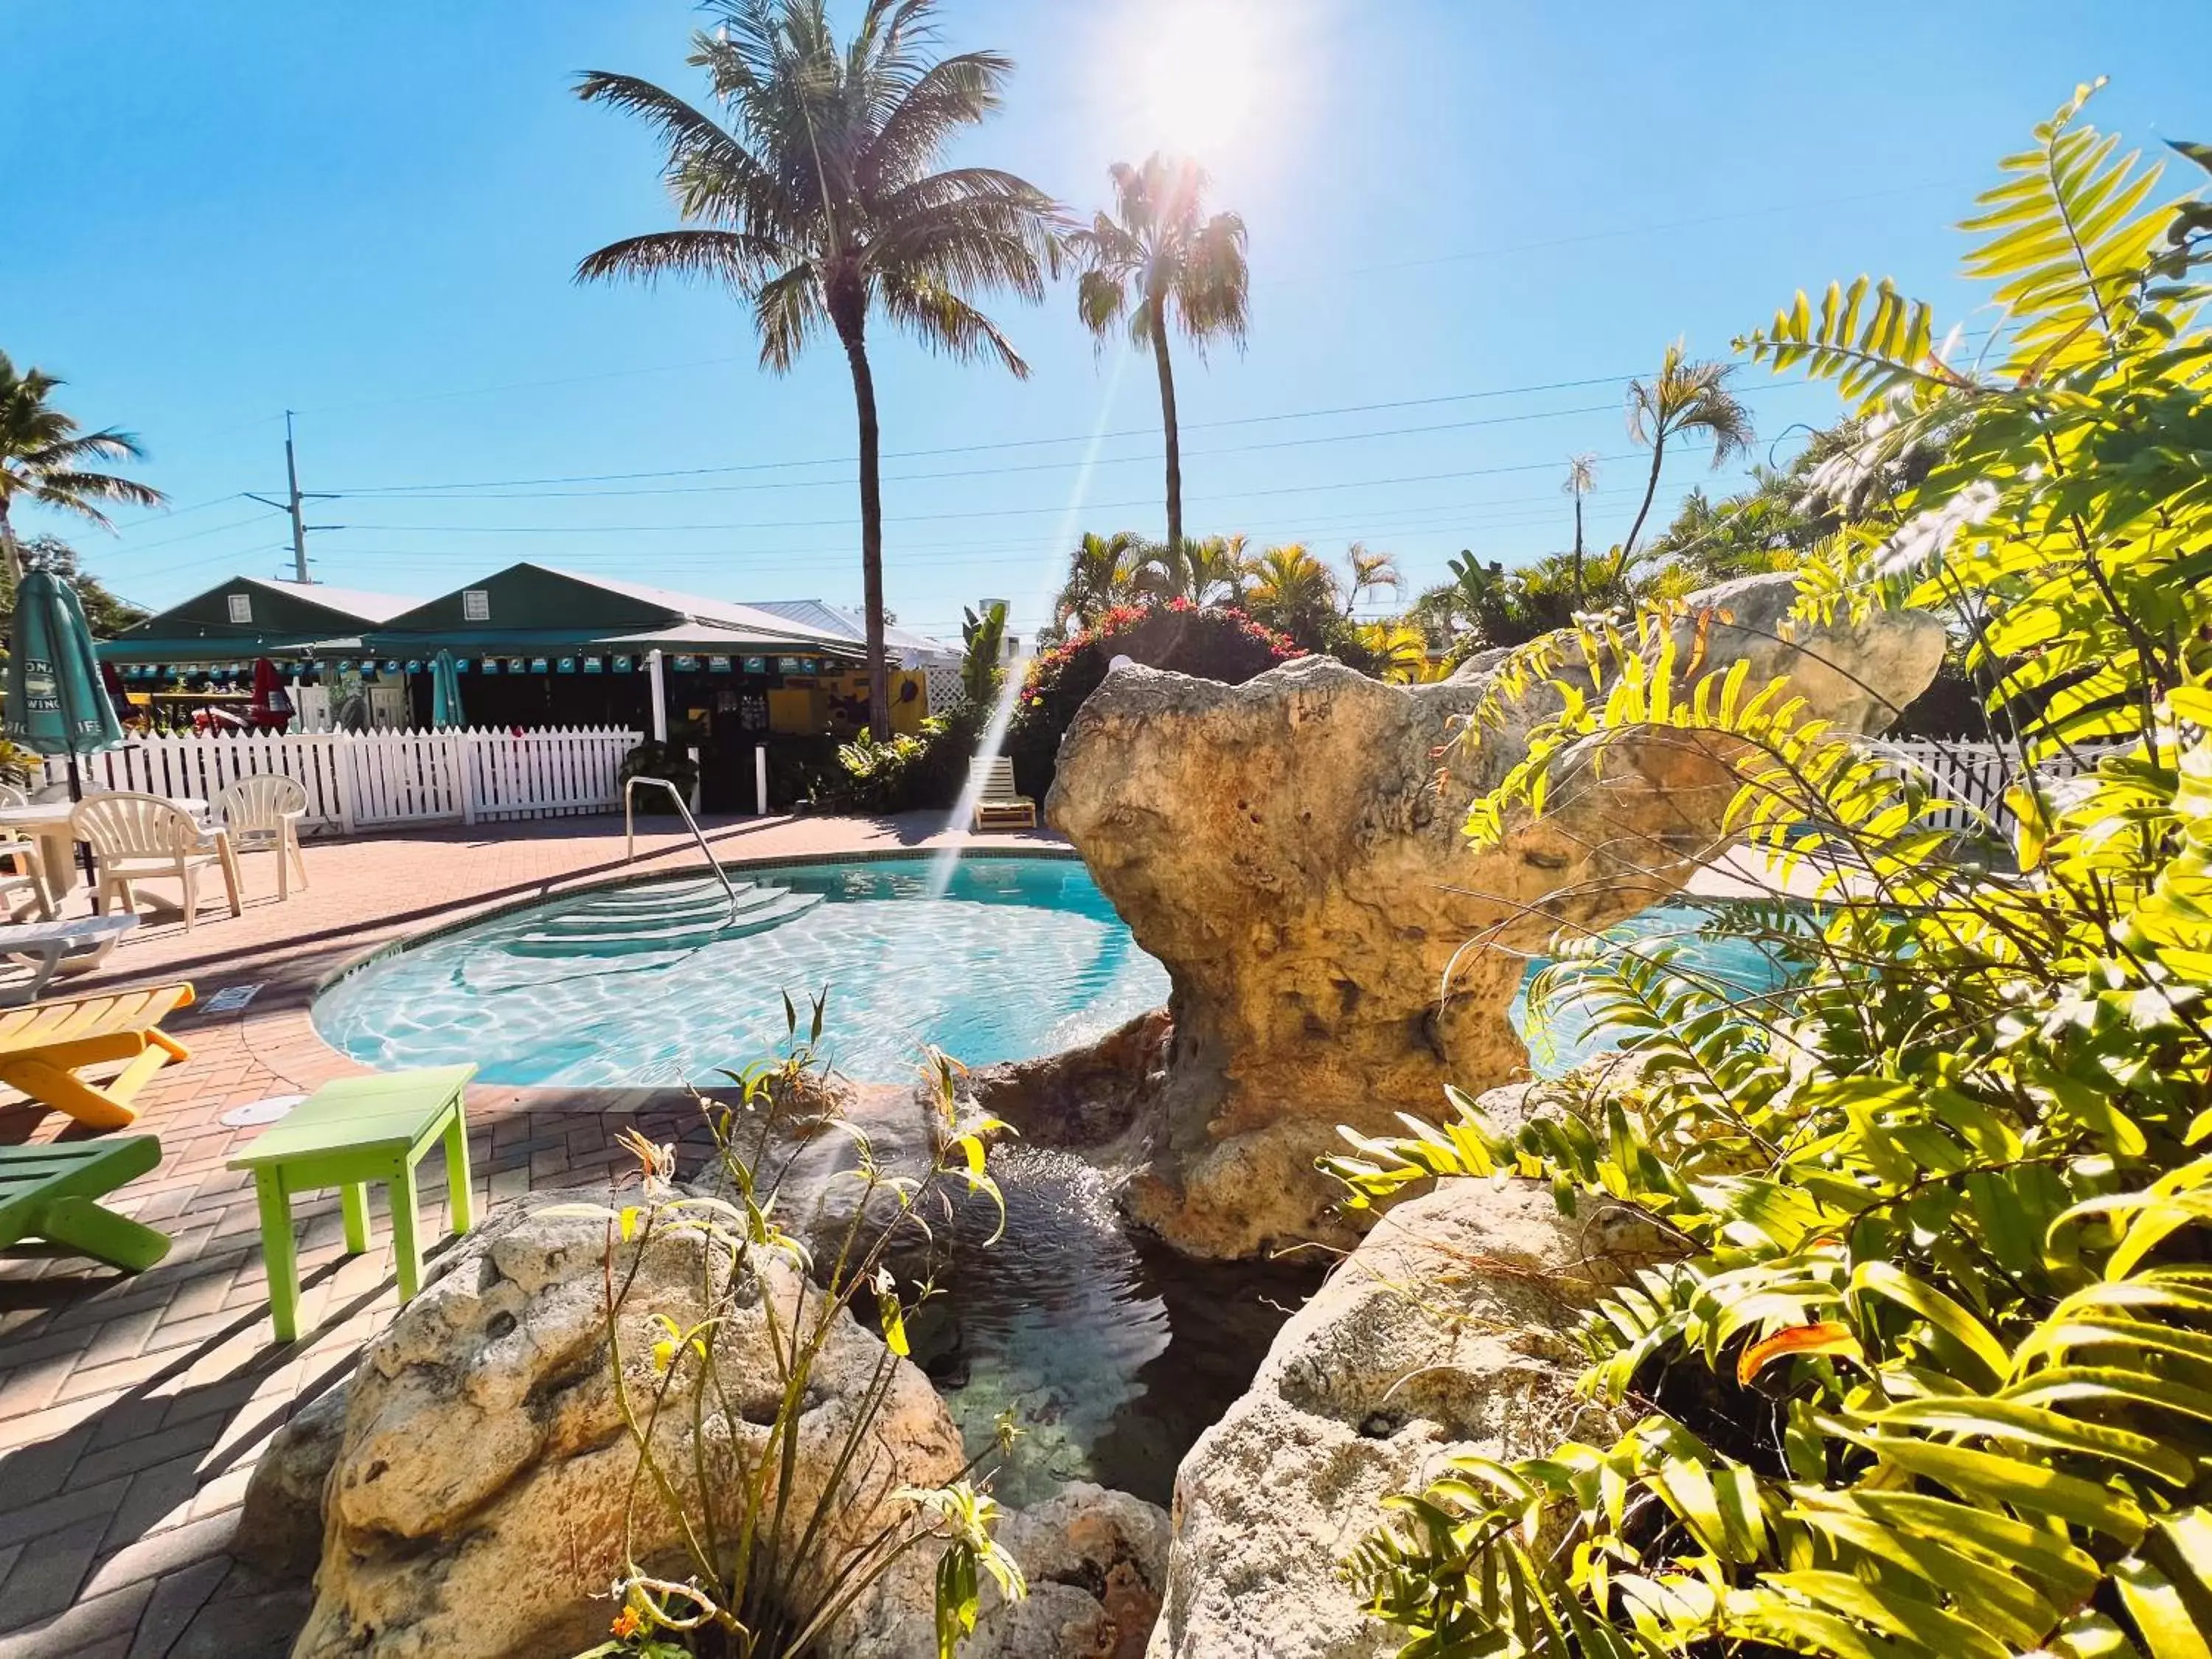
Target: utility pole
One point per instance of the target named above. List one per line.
(291, 504)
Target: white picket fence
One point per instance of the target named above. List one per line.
(1971, 778)
(378, 780)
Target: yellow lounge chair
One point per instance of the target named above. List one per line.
(999, 807)
(43, 1046)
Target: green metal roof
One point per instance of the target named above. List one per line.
(248, 616)
(529, 607)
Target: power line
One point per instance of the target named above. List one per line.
(989, 513)
(1149, 459)
(1148, 431)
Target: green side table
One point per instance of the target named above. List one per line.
(346, 1134)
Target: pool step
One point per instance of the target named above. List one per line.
(710, 909)
(590, 931)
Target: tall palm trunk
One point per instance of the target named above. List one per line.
(1168, 417)
(14, 554)
(1579, 547)
(1650, 489)
(871, 528)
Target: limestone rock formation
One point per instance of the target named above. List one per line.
(477, 1503)
(1445, 1333)
(1096, 1565)
(1291, 849)
(280, 1525)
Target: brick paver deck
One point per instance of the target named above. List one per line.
(132, 1408)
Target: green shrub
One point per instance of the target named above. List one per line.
(910, 772)
(670, 762)
(1931, 1375)
(1209, 643)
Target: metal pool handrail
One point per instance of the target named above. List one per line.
(629, 830)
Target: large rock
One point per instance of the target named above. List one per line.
(476, 1504)
(1445, 1333)
(1292, 849)
(280, 1525)
(1096, 1561)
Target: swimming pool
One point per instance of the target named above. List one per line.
(648, 983)
(665, 982)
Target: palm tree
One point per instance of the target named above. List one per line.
(1368, 571)
(1102, 573)
(815, 199)
(1291, 590)
(43, 458)
(1684, 397)
(1582, 479)
(1198, 571)
(1156, 255)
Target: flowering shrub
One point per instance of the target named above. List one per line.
(1211, 642)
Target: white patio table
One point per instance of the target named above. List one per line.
(47, 823)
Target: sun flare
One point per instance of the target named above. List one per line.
(1202, 73)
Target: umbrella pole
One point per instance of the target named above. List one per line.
(76, 794)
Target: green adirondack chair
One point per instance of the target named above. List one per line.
(51, 1195)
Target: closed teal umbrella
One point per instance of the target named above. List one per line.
(445, 691)
(57, 704)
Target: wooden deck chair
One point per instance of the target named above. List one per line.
(42, 1047)
(265, 810)
(136, 836)
(50, 1195)
(998, 806)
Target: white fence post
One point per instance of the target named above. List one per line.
(464, 761)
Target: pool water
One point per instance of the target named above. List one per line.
(1020, 957)
(648, 984)
(1737, 966)
(1113, 1352)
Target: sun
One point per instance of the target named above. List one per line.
(1200, 74)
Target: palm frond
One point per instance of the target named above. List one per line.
(936, 315)
(727, 256)
(787, 310)
(2068, 240)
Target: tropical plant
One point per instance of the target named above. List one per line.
(771, 1567)
(1102, 573)
(104, 613)
(1202, 572)
(1684, 398)
(817, 200)
(982, 663)
(47, 459)
(1931, 1370)
(1400, 651)
(1289, 589)
(1364, 572)
(1158, 259)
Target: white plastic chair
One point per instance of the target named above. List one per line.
(136, 837)
(19, 871)
(264, 812)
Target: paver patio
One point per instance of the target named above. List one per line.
(132, 1408)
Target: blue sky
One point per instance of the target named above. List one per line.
(1469, 223)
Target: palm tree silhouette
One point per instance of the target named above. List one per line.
(1158, 255)
(815, 200)
(1684, 397)
(44, 457)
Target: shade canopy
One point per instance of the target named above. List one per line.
(57, 704)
